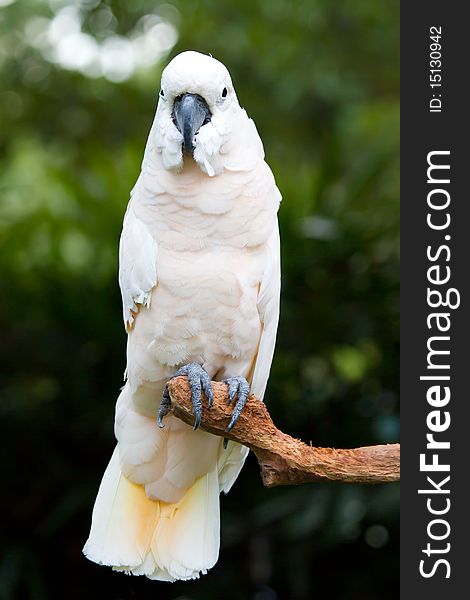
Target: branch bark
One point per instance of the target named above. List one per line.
(284, 460)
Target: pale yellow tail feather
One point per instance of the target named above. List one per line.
(163, 541)
(186, 541)
(123, 520)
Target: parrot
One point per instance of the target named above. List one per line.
(199, 273)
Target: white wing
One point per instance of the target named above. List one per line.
(137, 266)
(268, 308)
(231, 460)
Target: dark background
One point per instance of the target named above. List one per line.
(79, 84)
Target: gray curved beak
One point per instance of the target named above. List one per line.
(190, 113)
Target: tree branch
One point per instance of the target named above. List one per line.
(284, 460)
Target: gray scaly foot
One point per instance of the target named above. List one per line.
(241, 387)
(198, 380)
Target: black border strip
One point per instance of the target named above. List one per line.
(422, 132)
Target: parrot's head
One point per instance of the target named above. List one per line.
(197, 113)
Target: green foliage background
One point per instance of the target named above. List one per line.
(321, 80)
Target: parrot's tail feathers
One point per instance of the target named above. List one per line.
(187, 538)
(163, 541)
(123, 521)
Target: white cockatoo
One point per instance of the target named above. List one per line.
(199, 271)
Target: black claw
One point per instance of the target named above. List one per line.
(164, 406)
(225, 443)
(239, 386)
(197, 406)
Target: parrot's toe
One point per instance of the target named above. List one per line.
(164, 406)
(198, 380)
(241, 387)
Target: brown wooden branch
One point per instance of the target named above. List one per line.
(284, 460)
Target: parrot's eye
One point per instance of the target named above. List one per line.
(162, 93)
(224, 92)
